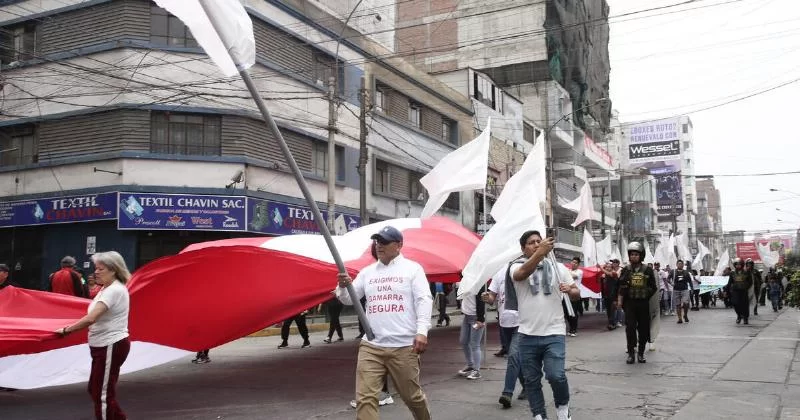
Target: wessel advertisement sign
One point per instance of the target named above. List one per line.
(276, 218)
(656, 146)
(71, 209)
(181, 212)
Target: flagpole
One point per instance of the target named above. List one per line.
(287, 154)
(486, 228)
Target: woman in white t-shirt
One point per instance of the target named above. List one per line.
(107, 320)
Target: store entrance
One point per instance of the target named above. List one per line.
(161, 243)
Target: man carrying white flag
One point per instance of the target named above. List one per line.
(461, 170)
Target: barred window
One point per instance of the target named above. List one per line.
(381, 181)
(319, 161)
(18, 146)
(18, 42)
(185, 134)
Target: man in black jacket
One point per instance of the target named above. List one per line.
(739, 284)
(637, 284)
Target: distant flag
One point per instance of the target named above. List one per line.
(228, 41)
(701, 253)
(463, 169)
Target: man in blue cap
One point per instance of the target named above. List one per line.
(399, 311)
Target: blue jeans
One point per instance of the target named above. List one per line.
(470, 341)
(513, 369)
(546, 353)
(506, 334)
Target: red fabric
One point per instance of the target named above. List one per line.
(62, 282)
(591, 277)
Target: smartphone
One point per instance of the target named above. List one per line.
(550, 233)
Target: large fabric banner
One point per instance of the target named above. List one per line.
(712, 283)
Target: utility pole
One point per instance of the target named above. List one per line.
(331, 151)
(603, 213)
(363, 155)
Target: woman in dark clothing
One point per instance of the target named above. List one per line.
(334, 310)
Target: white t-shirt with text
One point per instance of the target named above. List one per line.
(112, 326)
(399, 302)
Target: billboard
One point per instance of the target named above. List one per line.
(70, 209)
(745, 250)
(656, 147)
(181, 212)
(276, 218)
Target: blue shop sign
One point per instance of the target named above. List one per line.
(276, 218)
(70, 209)
(147, 211)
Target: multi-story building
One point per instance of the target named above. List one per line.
(709, 219)
(558, 71)
(119, 133)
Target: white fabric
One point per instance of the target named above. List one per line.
(702, 251)
(469, 305)
(589, 249)
(577, 277)
(222, 27)
(112, 326)
(724, 260)
(507, 318)
(585, 205)
(604, 250)
(768, 258)
(666, 281)
(682, 242)
(673, 259)
(540, 314)
(73, 364)
(399, 302)
(517, 210)
(624, 250)
(649, 257)
(615, 255)
(463, 169)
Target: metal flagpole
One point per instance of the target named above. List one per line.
(287, 154)
(485, 325)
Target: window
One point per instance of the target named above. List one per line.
(18, 42)
(528, 133)
(686, 129)
(416, 191)
(453, 202)
(487, 93)
(319, 160)
(323, 69)
(166, 29)
(381, 181)
(18, 146)
(185, 134)
(414, 112)
(380, 97)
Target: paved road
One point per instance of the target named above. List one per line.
(708, 369)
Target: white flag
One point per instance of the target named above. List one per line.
(682, 242)
(461, 170)
(584, 204)
(702, 252)
(649, 257)
(589, 249)
(516, 211)
(228, 40)
(768, 258)
(604, 249)
(724, 260)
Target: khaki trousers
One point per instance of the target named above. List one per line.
(402, 365)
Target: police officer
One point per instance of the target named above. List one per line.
(637, 284)
(749, 267)
(739, 284)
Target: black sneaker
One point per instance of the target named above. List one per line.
(641, 358)
(505, 401)
(738, 320)
(523, 395)
(306, 344)
(630, 360)
(746, 321)
(686, 318)
(283, 345)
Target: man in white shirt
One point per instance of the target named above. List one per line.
(536, 292)
(399, 311)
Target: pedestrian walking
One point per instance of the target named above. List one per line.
(682, 281)
(749, 267)
(399, 307)
(334, 307)
(608, 288)
(509, 324)
(637, 284)
(577, 306)
(300, 320)
(441, 291)
(739, 284)
(775, 291)
(107, 320)
(473, 326)
(536, 290)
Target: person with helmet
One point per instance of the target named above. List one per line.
(637, 284)
(739, 284)
(749, 267)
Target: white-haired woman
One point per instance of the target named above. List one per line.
(107, 320)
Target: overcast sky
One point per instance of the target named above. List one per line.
(679, 62)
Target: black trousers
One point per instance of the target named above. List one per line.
(442, 308)
(335, 326)
(571, 320)
(694, 297)
(637, 323)
(300, 320)
(610, 309)
(741, 303)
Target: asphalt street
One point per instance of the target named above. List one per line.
(708, 369)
